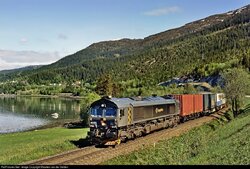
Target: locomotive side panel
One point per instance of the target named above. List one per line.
(148, 112)
(162, 110)
(142, 112)
(123, 117)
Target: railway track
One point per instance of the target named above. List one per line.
(92, 155)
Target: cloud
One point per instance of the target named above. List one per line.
(163, 11)
(14, 59)
(62, 36)
(23, 40)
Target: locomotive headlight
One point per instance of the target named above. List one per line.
(92, 124)
(103, 123)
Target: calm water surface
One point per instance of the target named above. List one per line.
(21, 113)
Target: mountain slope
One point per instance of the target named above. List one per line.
(156, 58)
(100, 50)
(125, 47)
(6, 74)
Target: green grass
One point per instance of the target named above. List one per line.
(25, 146)
(219, 142)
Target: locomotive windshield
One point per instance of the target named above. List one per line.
(98, 111)
(110, 111)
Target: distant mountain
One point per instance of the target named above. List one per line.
(7, 73)
(156, 58)
(101, 50)
(32, 67)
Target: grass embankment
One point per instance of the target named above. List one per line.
(17, 148)
(219, 142)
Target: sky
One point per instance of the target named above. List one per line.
(36, 32)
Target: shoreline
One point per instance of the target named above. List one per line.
(45, 96)
(67, 124)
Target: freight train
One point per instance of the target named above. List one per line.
(116, 120)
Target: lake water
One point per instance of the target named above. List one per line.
(19, 113)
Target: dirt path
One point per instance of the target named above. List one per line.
(92, 155)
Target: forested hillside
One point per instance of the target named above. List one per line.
(201, 47)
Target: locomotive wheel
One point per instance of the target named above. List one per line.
(140, 134)
(124, 140)
(165, 125)
(133, 136)
(175, 123)
(172, 123)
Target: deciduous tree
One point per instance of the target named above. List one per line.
(237, 83)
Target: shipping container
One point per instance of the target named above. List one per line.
(208, 102)
(189, 103)
(220, 99)
(213, 102)
(198, 103)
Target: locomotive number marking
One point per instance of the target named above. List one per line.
(159, 110)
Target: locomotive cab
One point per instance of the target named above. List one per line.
(103, 122)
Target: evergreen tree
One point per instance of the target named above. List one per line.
(104, 86)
